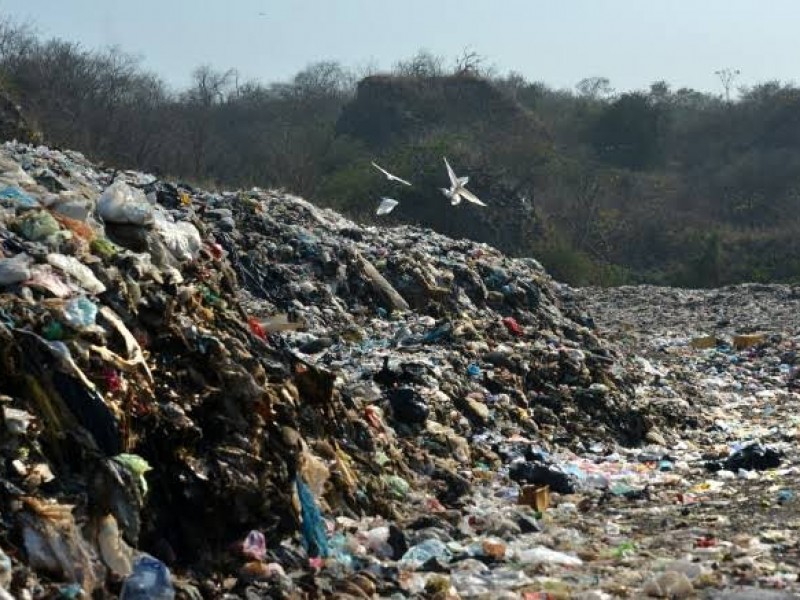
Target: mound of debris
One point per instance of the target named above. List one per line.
(207, 381)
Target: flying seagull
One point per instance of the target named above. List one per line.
(457, 190)
(386, 206)
(389, 176)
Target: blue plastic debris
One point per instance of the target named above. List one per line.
(437, 334)
(15, 197)
(150, 580)
(314, 540)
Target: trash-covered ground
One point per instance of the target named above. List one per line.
(243, 396)
(726, 361)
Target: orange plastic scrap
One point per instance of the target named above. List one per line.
(79, 228)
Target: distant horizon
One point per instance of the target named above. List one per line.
(630, 44)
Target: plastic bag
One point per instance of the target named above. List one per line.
(541, 555)
(80, 313)
(150, 581)
(78, 271)
(423, 552)
(43, 277)
(120, 203)
(314, 539)
(182, 238)
(14, 197)
(37, 226)
(15, 270)
(69, 205)
(13, 175)
(255, 545)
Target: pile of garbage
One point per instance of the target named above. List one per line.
(212, 384)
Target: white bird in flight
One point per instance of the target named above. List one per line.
(457, 190)
(389, 176)
(387, 205)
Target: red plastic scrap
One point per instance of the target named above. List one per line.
(512, 326)
(216, 250)
(706, 542)
(256, 328)
(112, 380)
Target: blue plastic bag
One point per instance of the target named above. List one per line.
(314, 540)
(15, 197)
(150, 580)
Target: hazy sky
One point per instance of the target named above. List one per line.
(632, 42)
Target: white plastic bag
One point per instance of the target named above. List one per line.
(120, 203)
(182, 238)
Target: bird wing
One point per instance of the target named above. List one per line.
(386, 206)
(451, 174)
(381, 169)
(400, 179)
(470, 197)
(389, 176)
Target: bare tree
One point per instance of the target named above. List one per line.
(594, 88)
(469, 62)
(16, 41)
(210, 86)
(323, 79)
(727, 77)
(423, 64)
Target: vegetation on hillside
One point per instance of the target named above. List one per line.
(656, 185)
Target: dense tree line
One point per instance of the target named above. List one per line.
(660, 185)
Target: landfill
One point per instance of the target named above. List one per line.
(242, 395)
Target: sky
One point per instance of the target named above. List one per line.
(631, 42)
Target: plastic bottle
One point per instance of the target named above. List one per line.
(150, 581)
